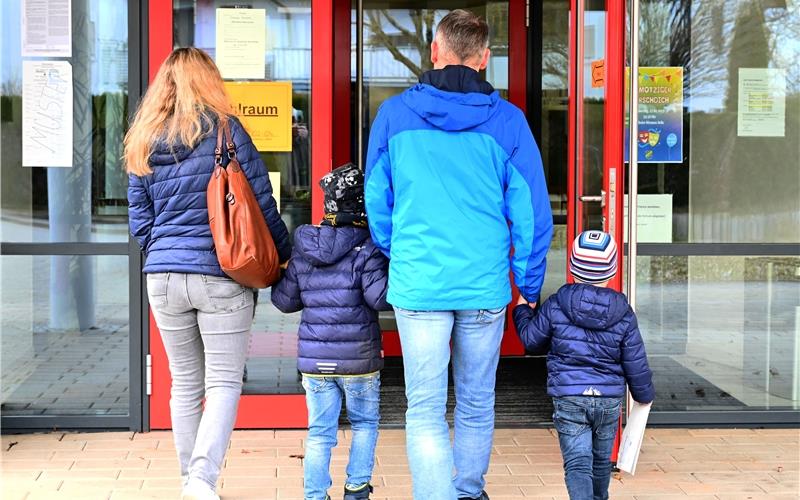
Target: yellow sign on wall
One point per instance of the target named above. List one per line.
(265, 110)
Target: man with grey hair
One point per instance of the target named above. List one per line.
(453, 180)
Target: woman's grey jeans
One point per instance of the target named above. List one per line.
(205, 325)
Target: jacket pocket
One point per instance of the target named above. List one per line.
(226, 295)
(157, 289)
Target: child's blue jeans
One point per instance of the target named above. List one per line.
(586, 428)
(324, 402)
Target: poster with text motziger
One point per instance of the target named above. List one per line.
(660, 138)
(46, 114)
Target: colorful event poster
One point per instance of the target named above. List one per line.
(660, 137)
(265, 110)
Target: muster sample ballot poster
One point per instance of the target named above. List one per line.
(762, 102)
(46, 114)
(46, 28)
(241, 43)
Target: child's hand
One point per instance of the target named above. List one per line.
(521, 300)
(285, 265)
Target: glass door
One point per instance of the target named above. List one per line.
(280, 35)
(596, 120)
(390, 49)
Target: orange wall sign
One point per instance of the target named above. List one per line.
(598, 73)
(265, 109)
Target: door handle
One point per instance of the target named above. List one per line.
(594, 199)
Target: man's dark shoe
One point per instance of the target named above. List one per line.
(360, 493)
(483, 496)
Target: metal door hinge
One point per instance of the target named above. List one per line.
(527, 13)
(148, 380)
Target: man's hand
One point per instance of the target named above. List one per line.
(521, 300)
(284, 265)
(532, 305)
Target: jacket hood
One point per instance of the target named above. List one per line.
(165, 153)
(592, 307)
(168, 154)
(452, 99)
(326, 245)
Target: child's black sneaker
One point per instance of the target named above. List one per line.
(360, 493)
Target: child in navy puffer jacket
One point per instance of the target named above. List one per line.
(339, 278)
(594, 348)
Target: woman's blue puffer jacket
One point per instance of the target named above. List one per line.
(168, 212)
(593, 343)
(338, 278)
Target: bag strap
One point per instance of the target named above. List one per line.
(224, 138)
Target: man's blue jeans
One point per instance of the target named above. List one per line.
(425, 337)
(324, 402)
(586, 428)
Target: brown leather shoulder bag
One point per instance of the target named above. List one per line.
(244, 246)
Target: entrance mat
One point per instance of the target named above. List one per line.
(521, 395)
(520, 401)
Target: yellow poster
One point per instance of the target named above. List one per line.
(265, 110)
(241, 43)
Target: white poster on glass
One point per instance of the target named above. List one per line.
(241, 43)
(46, 28)
(653, 218)
(46, 114)
(762, 102)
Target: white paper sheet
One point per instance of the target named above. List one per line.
(762, 102)
(632, 436)
(241, 43)
(46, 114)
(46, 28)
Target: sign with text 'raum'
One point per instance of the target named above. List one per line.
(265, 110)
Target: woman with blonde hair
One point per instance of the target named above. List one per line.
(204, 317)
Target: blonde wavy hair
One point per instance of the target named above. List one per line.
(184, 101)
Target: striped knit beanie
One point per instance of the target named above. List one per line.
(594, 257)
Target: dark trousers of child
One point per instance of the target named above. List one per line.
(586, 426)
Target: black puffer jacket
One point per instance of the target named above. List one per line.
(338, 278)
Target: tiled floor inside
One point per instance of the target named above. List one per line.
(695, 464)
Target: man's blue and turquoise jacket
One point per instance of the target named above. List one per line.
(449, 166)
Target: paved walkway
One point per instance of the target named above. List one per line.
(675, 464)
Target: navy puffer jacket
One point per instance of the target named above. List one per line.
(338, 278)
(168, 212)
(593, 343)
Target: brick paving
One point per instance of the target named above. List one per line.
(720, 464)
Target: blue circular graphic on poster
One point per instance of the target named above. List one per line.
(672, 139)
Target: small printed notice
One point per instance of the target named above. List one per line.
(46, 114)
(762, 102)
(632, 437)
(653, 218)
(241, 43)
(265, 110)
(46, 28)
(660, 128)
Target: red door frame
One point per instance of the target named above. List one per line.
(613, 126)
(277, 411)
(613, 134)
